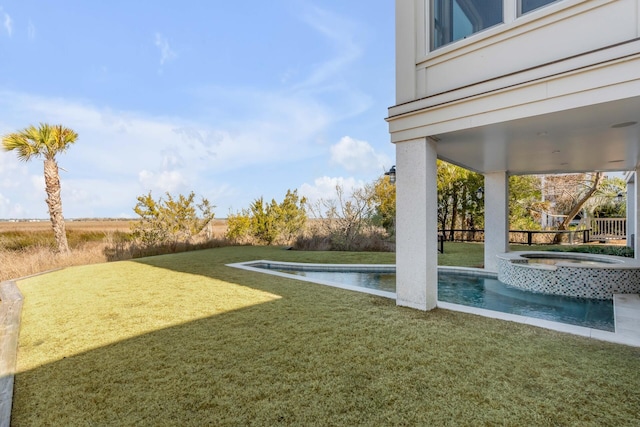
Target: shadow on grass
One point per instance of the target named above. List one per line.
(324, 356)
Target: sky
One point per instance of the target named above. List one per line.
(231, 100)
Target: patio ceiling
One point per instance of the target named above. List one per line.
(599, 137)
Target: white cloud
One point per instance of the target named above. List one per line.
(340, 32)
(8, 209)
(358, 156)
(288, 130)
(31, 31)
(37, 184)
(138, 153)
(13, 171)
(166, 53)
(123, 154)
(8, 23)
(163, 181)
(284, 133)
(97, 197)
(324, 188)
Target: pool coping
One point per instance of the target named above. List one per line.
(382, 268)
(597, 334)
(611, 262)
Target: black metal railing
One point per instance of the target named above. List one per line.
(529, 237)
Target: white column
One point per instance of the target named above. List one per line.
(631, 208)
(633, 219)
(416, 224)
(496, 218)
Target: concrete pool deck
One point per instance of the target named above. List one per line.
(626, 309)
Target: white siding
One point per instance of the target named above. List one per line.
(555, 32)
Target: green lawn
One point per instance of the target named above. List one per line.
(184, 340)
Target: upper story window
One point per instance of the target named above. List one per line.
(525, 6)
(453, 20)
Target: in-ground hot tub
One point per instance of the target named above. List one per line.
(570, 274)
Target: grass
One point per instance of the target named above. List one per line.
(184, 340)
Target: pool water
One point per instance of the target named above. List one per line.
(492, 294)
(487, 293)
(550, 260)
(370, 280)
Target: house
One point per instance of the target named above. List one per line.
(507, 87)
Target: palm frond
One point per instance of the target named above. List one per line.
(21, 144)
(63, 137)
(45, 140)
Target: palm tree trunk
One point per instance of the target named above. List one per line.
(54, 202)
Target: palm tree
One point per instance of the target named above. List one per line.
(46, 141)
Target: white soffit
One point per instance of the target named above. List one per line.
(600, 137)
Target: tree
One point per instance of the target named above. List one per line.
(348, 218)
(384, 200)
(570, 193)
(239, 227)
(46, 141)
(263, 221)
(269, 223)
(171, 220)
(458, 205)
(525, 206)
(575, 191)
(608, 201)
(291, 215)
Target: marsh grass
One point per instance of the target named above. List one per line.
(28, 248)
(184, 340)
(37, 258)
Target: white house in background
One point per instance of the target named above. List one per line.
(507, 87)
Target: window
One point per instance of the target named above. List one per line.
(529, 5)
(453, 20)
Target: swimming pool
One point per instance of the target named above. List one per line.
(481, 290)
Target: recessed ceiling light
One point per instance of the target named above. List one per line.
(623, 125)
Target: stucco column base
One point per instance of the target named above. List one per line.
(416, 224)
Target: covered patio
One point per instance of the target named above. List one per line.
(585, 120)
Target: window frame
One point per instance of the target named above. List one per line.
(521, 13)
(433, 34)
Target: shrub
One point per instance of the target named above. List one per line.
(623, 251)
(269, 223)
(348, 223)
(170, 221)
(239, 227)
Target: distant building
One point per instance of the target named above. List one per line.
(507, 87)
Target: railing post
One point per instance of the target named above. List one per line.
(529, 237)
